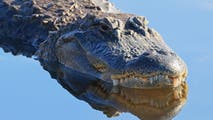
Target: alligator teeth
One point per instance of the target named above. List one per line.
(126, 80)
(157, 77)
(152, 103)
(115, 82)
(120, 81)
(153, 79)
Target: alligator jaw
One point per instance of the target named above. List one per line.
(136, 80)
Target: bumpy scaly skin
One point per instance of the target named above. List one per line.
(26, 23)
(95, 39)
(117, 48)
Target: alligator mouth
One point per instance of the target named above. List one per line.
(136, 80)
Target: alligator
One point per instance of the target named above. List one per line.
(96, 40)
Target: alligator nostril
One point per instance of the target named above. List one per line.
(146, 54)
(175, 66)
(150, 62)
(162, 52)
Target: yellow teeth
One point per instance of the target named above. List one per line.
(148, 80)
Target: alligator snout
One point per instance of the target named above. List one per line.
(158, 63)
(152, 71)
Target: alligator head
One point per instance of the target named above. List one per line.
(122, 50)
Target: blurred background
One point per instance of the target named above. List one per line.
(28, 92)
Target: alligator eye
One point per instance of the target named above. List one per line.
(104, 27)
